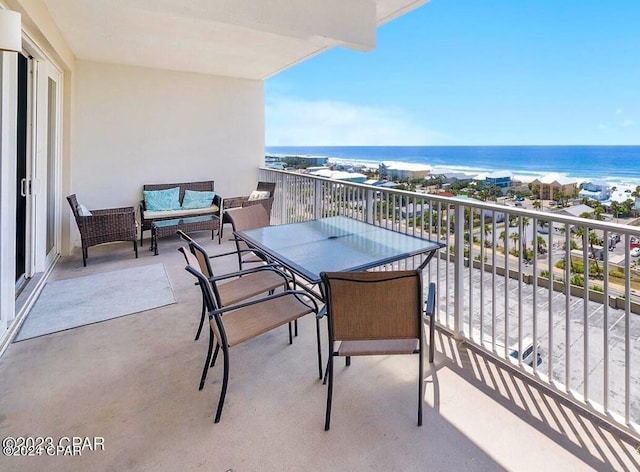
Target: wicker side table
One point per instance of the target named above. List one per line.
(160, 229)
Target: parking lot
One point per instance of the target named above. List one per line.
(561, 338)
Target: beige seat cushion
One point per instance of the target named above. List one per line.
(152, 215)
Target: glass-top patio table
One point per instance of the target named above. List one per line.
(336, 244)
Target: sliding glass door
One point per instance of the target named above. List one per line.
(38, 159)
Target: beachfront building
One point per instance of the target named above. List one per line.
(622, 192)
(340, 175)
(598, 190)
(552, 185)
(452, 177)
(501, 179)
(625, 195)
(403, 171)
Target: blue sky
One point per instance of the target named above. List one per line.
(472, 72)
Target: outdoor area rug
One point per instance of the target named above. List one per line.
(66, 304)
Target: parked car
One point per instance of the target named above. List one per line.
(527, 352)
(635, 252)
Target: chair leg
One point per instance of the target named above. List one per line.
(290, 334)
(202, 314)
(135, 247)
(327, 418)
(432, 323)
(84, 256)
(347, 360)
(215, 355)
(326, 374)
(420, 385)
(295, 324)
(225, 382)
(319, 348)
(206, 363)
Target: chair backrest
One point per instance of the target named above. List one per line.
(73, 203)
(250, 217)
(374, 305)
(267, 187)
(199, 257)
(207, 295)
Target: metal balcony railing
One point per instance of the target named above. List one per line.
(511, 281)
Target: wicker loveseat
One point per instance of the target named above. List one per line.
(147, 217)
(103, 226)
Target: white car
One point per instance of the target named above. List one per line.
(635, 252)
(527, 352)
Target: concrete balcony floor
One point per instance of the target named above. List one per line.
(133, 381)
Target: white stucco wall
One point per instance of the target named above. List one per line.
(135, 125)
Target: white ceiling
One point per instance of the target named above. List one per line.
(251, 39)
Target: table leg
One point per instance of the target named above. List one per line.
(154, 241)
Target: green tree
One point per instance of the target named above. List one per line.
(542, 244)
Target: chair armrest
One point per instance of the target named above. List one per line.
(120, 224)
(269, 262)
(297, 293)
(234, 202)
(106, 217)
(252, 270)
(257, 252)
(113, 211)
(218, 201)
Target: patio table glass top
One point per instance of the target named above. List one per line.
(335, 244)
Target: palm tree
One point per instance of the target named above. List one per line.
(594, 239)
(615, 208)
(627, 206)
(598, 211)
(515, 237)
(542, 244)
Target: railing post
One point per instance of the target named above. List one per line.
(317, 200)
(370, 204)
(284, 198)
(458, 272)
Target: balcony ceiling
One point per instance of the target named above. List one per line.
(251, 39)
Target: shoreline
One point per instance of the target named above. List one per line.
(616, 165)
(524, 176)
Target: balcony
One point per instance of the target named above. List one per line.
(133, 380)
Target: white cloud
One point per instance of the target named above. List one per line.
(602, 126)
(296, 122)
(626, 123)
(619, 111)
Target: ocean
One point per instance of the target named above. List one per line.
(614, 164)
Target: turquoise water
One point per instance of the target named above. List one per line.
(615, 164)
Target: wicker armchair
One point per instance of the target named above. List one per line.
(104, 226)
(241, 202)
